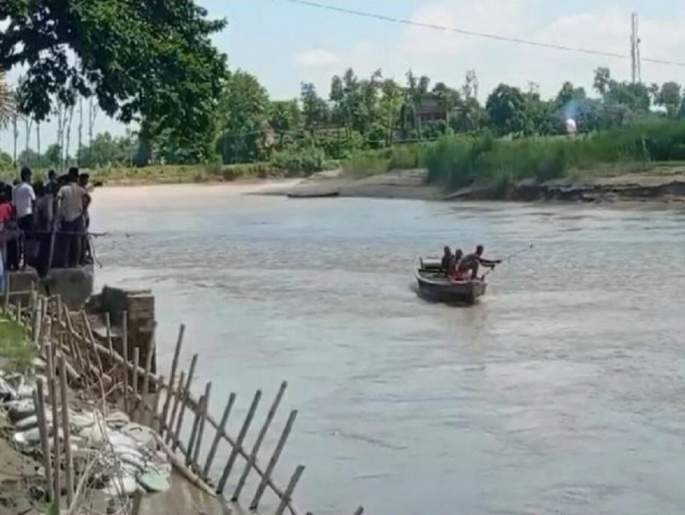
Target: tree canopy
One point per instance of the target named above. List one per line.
(151, 60)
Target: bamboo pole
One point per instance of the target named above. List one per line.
(172, 377)
(274, 459)
(155, 420)
(174, 411)
(108, 327)
(258, 442)
(289, 490)
(201, 429)
(220, 431)
(239, 443)
(136, 362)
(124, 352)
(69, 464)
(55, 418)
(193, 443)
(184, 400)
(8, 287)
(148, 366)
(193, 432)
(39, 403)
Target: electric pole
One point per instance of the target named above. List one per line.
(636, 71)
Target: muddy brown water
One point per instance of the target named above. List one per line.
(562, 392)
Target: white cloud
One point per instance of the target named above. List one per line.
(316, 58)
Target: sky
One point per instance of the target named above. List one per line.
(285, 44)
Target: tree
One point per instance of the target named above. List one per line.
(469, 116)
(391, 103)
(151, 60)
(569, 93)
(670, 97)
(314, 108)
(6, 104)
(284, 116)
(602, 80)
(506, 108)
(53, 156)
(242, 114)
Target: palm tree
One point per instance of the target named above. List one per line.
(6, 104)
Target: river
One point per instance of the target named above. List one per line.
(561, 392)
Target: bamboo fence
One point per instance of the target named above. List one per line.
(187, 431)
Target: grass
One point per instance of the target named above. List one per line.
(15, 351)
(375, 162)
(458, 161)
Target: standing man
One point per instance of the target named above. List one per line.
(23, 198)
(70, 202)
(472, 262)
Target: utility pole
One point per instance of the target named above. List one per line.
(636, 62)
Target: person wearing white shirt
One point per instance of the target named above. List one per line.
(70, 206)
(23, 198)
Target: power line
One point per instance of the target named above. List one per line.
(471, 33)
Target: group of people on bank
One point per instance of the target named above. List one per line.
(460, 267)
(44, 224)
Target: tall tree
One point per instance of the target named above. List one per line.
(6, 104)
(506, 107)
(391, 103)
(602, 80)
(243, 113)
(152, 59)
(284, 117)
(315, 111)
(670, 97)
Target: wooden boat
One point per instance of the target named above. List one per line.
(434, 286)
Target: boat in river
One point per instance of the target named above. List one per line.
(435, 286)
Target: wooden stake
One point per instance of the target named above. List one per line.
(201, 429)
(69, 464)
(174, 366)
(148, 366)
(39, 403)
(219, 434)
(195, 439)
(177, 399)
(184, 400)
(285, 500)
(108, 328)
(238, 443)
(155, 421)
(124, 352)
(274, 459)
(55, 418)
(136, 362)
(258, 442)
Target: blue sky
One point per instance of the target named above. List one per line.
(284, 44)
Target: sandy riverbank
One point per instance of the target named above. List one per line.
(651, 185)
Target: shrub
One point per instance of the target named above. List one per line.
(300, 161)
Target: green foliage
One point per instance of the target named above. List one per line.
(458, 161)
(15, 351)
(366, 163)
(243, 113)
(506, 108)
(152, 60)
(302, 160)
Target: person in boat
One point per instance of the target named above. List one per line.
(472, 263)
(446, 260)
(454, 273)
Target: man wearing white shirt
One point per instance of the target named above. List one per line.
(23, 198)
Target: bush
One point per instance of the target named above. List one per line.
(300, 161)
(367, 163)
(458, 161)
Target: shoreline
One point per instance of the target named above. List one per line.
(412, 184)
(651, 186)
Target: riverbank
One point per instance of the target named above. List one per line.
(663, 184)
